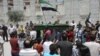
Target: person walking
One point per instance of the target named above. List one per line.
(65, 46)
(14, 45)
(93, 46)
(5, 34)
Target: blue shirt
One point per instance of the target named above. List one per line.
(48, 54)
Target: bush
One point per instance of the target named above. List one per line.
(15, 16)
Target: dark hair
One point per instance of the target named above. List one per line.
(92, 37)
(78, 43)
(33, 42)
(48, 38)
(13, 35)
(27, 44)
(53, 49)
(64, 37)
(38, 41)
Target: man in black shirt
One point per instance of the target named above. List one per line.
(83, 50)
(65, 46)
(5, 34)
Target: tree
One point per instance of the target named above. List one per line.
(15, 16)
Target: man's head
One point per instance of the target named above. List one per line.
(73, 21)
(53, 49)
(27, 23)
(64, 37)
(11, 25)
(34, 44)
(92, 37)
(78, 43)
(48, 39)
(13, 35)
(98, 21)
(17, 25)
(27, 43)
(31, 22)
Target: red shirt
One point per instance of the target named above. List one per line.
(39, 48)
(14, 45)
(47, 33)
(70, 35)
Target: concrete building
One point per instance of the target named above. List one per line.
(68, 10)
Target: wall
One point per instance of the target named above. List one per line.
(76, 10)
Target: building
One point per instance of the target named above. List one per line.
(27, 6)
(68, 10)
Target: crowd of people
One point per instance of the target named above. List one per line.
(75, 40)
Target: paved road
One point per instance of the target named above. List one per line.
(7, 49)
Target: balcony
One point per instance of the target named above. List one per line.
(10, 1)
(10, 4)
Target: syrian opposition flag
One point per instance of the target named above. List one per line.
(88, 20)
(46, 6)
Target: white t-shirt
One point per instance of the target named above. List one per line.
(20, 42)
(73, 24)
(46, 46)
(33, 34)
(75, 51)
(99, 31)
(93, 47)
(79, 32)
(28, 52)
(11, 29)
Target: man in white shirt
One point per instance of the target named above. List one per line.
(93, 46)
(11, 29)
(1, 42)
(46, 45)
(28, 51)
(79, 34)
(1, 38)
(73, 23)
(75, 51)
(33, 34)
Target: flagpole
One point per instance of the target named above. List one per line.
(44, 16)
(42, 11)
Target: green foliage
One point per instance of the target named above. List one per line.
(39, 16)
(15, 16)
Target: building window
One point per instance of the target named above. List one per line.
(10, 4)
(9, 8)
(0, 1)
(24, 7)
(27, 3)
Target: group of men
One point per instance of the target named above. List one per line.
(76, 40)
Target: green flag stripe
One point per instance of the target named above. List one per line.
(44, 2)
